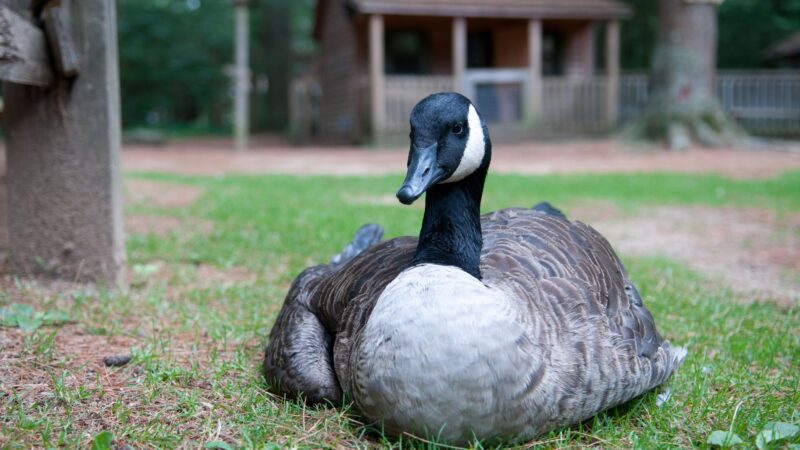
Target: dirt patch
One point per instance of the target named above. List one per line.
(59, 371)
(269, 154)
(185, 277)
(755, 251)
(165, 196)
(74, 381)
(160, 195)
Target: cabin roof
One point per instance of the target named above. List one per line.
(544, 9)
(787, 47)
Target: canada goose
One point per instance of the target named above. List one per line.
(500, 326)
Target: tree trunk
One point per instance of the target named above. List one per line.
(683, 107)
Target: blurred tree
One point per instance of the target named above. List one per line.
(172, 59)
(175, 55)
(271, 54)
(748, 27)
(282, 48)
(682, 107)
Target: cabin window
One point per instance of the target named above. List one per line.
(406, 52)
(552, 53)
(499, 102)
(480, 49)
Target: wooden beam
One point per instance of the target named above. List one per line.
(512, 9)
(241, 108)
(612, 72)
(459, 54)
(377, 76)
(63, 173)
(58, 28)
(533, 107)
(23, 51)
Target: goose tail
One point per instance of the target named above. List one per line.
(366, 236)
(547, 208)
(678, 355)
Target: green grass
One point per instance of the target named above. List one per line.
(196, 331)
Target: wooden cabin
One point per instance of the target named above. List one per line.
(785, 54)
(525, 63)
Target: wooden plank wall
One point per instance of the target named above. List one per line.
(579, 49)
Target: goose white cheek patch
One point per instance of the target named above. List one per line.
(474, 151)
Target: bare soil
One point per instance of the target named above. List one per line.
(753, 251)
(160, 195)
(272, 155)
(36, 372)
(30, 377)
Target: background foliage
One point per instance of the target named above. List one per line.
(174, 54)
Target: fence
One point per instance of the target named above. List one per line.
(303, 107)
(574, 105)
(404, 91)
(568, 104)
(763, 102)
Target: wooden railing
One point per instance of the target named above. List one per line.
(634, 90)
(404, 91)
(763, 102)
(303, 107)
(573, 105)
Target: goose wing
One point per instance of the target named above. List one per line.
(530, 246)
(324, 307)
(344, 301)
(603, 347)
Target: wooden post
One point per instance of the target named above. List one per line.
(241, 108)
(23, 50)
(459, 54)
(533, 107)
(612, 72)
(377, 77)
(63, 173)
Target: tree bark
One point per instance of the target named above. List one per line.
(683, 107)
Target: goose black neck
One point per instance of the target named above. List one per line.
(451, 228)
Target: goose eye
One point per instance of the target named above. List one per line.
(457, 129)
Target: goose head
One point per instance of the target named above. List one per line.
(449, 144)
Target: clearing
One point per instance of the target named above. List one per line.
(215, 238)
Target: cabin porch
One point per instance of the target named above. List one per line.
(524, 73)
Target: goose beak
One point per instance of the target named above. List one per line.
(423, 172)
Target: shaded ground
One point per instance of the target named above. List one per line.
(268, 155)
